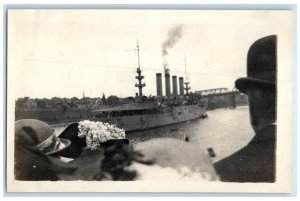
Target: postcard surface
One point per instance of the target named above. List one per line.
(108, 100)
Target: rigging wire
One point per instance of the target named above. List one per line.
(121, 67)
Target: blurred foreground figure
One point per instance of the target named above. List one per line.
(174, 160)
(100, 152)
(34, 143)
(256, 161)
(111, 157)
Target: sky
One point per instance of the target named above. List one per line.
(63, 53)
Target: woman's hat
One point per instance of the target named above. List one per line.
(70, 132)
(78, 144)
(261, 65)
(33, 132)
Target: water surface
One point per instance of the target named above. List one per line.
(224, 130)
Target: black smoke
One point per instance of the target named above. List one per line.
(174, 35)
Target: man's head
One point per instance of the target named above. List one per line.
(260, 83)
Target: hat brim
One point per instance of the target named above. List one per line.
(64, 143)
(246, 83)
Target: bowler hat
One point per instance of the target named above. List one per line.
(261, 65)
(39, 135)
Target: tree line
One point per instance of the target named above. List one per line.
(57, 103)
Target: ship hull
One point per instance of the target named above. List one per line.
(165, 116)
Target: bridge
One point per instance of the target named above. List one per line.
(217, 92)
(223, 97)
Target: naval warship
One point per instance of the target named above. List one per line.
(161, 110)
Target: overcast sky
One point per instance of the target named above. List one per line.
(65, 52)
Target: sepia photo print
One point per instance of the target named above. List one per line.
(141, 100)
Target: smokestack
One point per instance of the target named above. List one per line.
(174, 81)
(167, 80)
(158, 84)
(181, 87)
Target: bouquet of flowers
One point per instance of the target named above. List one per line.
(98, 132)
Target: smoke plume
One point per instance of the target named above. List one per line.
(174, 36)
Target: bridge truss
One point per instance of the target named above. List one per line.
(217, 92)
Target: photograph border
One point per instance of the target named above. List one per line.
(290, 7)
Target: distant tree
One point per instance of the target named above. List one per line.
(74, 99)
(130, 98)
(65, 105)
(73, 102)
(57, 102)
(48, 103)
(41, 104)
(112, 100)
(20, 102)
(103, 99)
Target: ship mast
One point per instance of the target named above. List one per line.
(138, 52)
(186, 88)
(139, 77)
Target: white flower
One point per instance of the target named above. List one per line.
(98, 132)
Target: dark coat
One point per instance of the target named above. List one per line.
(33, 165)
(253, 163)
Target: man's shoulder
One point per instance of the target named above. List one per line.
(238, 159)
(254, 163)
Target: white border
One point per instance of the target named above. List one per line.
(144, 2)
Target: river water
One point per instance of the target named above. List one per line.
(224, 130)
